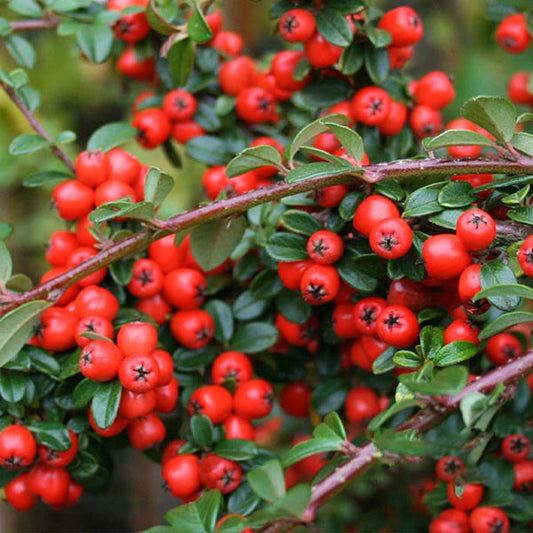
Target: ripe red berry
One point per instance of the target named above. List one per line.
(319, 284)
(56, 329)
(284, 64)
(213, 401)
(371, 210)
(153, 127)
(179, 105)
(59, 458)
(523, 477)
(525, 256)
(461, 330)
(93, 300)
(220, 473)
(371, 105)
(476, 229)
(297, 25)
(320, 52)
(391, 238)
(448, 468)
(398, 326)
(236, 75)
(434, 90)
(325, 247)
(146, 431)
(18, 493)
(139, 373)
(295, 399)
(472, 494)
(512, 33)
(361, 404)
(184, 288)
(231, 365)
(182, 475)
(255, 105)
(193, 328)
(403, 24)
(18, 447)
(92, 167)
(445, 256)
(136, 338)
(515, 447)
(100, 360)
(425, 121)
(503, 347)
(518, 88)
(253, 399)
(486, 519)
(73, 199)
(237, 427)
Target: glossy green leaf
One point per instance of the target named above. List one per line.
(309, 132)
(407, 359)
(254, 337)
(196, 517)
(21, 50)
(268, 481)
(455, 352)
(494, 113)
(28, 143)
(505, 289)
(157, 186)
(293, 307)
(84, 392)
(350, 139)
(65, 137)
(423, 201)
(202, 430)
(523, 215)
(471, 407)
(27, 8)
(300, 222)
(431, 340)
(456, 194)
(95, 41)
(359, 272)
(213, 242)
(52, 434)
(188, 360)
(377, 63)
(46, 177)
(334, 27)
(111, 135)
(209, 149)
(287, 247)
(319, 170)
(495, 273)
(523, 142)
(329, 395)
(160, 15)
(403, 442)
(310, 447)
(181, 61)
(236, 449)
(197, 27)
(248, 307)
(12, 386)
(6, 264)
(448, 381)
(16, 328)
(456, 138)
(223, 317)
(503, 322)
(43, 361)
(122, 208)
(252, 158)
(378, 37)
(105, 403)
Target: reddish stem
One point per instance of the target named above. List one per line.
(33, 25)
(35, 124)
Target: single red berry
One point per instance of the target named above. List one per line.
(100, 360)
(366, 312)
(320, 52)
(255, 105)
(236, 75)
(371, 210)
(153, 127)
(472, 494)
(18, 493)
(343, 318)
(398, 326)
(371, 105)
(486, 519)
(228, 42)
(136, 338)
(445, 256)
(297, 334)
(518, 89)
(515, 447)
(295, 399)
(395, 120)
(179, 105)
(135, 404)
(297, 25)
(213, 401)
(49, 483)
(92, 167)
(237, 427)
(330, 196)
(59, 458)
(131, 65)
(182, 475)
(184, 288)
(361, 404)
(93, 300)
(325, 247)
(231, 365)
(512, 34)
(448, 468)
(425, 121)
(525, 256)
(56, 329)
(403, 24)
(73, 199)
(123, 166)
(79, 256)
(461, 330)
(284, 64)
(476, 229)
(523, 477)
(59, 247)
(434, 90)
(391, 238)
(146, 431)
(319, 284)
(166, 396)
(193, 328)
(220, 473)
(503, 347)
(18, 447)
(156, 307)
(254, 399)
(139, 373)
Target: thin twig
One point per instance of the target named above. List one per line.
(20, 26)
(35, 124)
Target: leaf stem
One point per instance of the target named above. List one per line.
(35, 124)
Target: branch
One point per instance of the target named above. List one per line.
(35, 124)
(32, 25)
(240, 204)
(422, 421)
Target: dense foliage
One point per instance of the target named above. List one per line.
(347, 313)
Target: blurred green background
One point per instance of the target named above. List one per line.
(82, 97)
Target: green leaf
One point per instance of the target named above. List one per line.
(243, 500)
(27, 8)
(157, 186)
(43, 361)
(268, 481)
(395, 408)
(504, 322)
(329, 395)
(456, 194)
(319, 170)
(21, 50)
(122, 208)
(446, 219)
(456, 138)
(300, 222)
(16, 328)
(65, 137)
(495, 273)
(423, 201)
(293, 307)
(334, 27)
(349, 204)
(523, 215)
(334, 422)
(46, 177)
(254, 337)
(12, 386)
(523, 142)
(252, 158)
(84, 392)
(28, 143)
(287, 247)
(248, 307)
(378, 37)
(471, 407)
(407, 359)
(122, 271)
(494, 113)
(181, 61)
(95, 41)
(213, 242)
(431, 340)
(6, 265)
(188, 360)
(5, 230)
(505, 289)
(52, 434)
(310, 447)
(105, 403)
(309, 132)
(403, 442)
(236, 449)
(359, 272)
(196, 517)
(350, 139)
(448, 381)
(202, 430)
(223, 317)
(455, 352)
(111, 135)
(197, 27)
(209, 149)
(377, 63)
